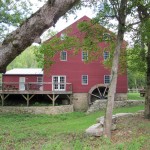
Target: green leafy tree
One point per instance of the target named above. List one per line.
(12, 13)
(144, 40)
(31, 29)
(26, 60)
(136, 67)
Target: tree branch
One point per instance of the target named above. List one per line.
(17, 41)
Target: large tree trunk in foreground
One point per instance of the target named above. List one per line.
(17, 41)
(144, 17)
(114, 69)
(147, 97)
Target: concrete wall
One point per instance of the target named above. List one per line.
(38, 110)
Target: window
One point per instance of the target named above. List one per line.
(84, 79)
(63, 56)
(106, 37)
(84, 55)
(59, 83)
(63, 36)
(106, 79)
(106, 55)
(40, 80)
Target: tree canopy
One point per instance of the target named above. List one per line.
(12, 14)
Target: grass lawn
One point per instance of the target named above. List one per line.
(135, 96)
(66, 132)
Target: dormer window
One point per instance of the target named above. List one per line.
(84, 55)
(106, 55)
(63, 56)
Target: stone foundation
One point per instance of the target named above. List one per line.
(80, 101)
(121, 97)
(101, 104)
(38, 110)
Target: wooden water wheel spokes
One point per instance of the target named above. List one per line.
(98, 92)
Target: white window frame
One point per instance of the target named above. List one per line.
(22, 81)
(40, 80)
(62, 36)
(82, 79)
(84, 55)
(61, 55)
(59, 84)
(107, 79)
(106, 55)
(106, 36)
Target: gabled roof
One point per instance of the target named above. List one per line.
(25, 71)
(84, 18)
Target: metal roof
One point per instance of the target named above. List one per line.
(25, 71)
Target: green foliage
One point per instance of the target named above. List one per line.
(136, 61)
(26, 60)
(92, 35)
(135, 96)
(12, 14)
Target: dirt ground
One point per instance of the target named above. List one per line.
(133, 128)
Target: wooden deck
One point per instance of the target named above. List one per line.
(32, 88)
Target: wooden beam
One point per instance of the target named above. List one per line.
(104, 92)
(95, 96)
(70, 98)
(99, 92)
(27, 98)
(3, 97)
(53, 98)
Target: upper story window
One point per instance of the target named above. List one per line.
(106, 36)
(63, 36)
(106, 79)
(40, 80)
(63, 56)
(84, 79)
(84, 55)
(106, 55)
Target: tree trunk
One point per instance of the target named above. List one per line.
(144, 16)
(17, 41)
(112, 87)
(147, 97)
(114, 69)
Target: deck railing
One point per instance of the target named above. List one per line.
(35, 86)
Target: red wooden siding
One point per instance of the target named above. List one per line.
(15, 78)
(74, 68)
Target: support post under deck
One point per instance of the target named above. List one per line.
(70, 98)
(3, 97)
(27, 98)
(53, 98)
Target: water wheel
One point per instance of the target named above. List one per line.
(98, 92)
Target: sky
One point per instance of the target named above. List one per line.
(63, 23)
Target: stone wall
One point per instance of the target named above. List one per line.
(101, 104)
(38, 110)
(121, 97)
(80, 101)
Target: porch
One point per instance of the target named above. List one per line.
(29, 89)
